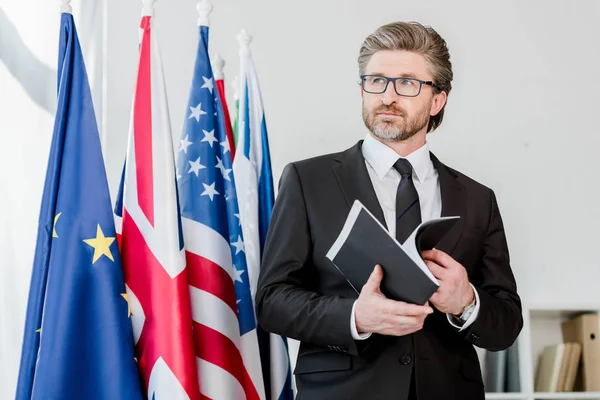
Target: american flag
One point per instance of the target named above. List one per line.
(151, 242)
(225, 337)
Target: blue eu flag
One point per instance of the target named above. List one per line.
(78, 340)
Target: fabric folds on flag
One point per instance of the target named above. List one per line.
(224, 323)
(78, 340)
(226, 117)
(254, 183)
(151, 240)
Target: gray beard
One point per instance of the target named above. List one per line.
(396, 132)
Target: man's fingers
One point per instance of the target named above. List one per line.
(438, 271)
(406, 309)
(374, 281)
(404, 325)
(439, 257)
(408, 320)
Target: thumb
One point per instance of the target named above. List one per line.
(374, 281)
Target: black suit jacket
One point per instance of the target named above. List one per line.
(303, 296)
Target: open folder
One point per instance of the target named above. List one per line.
(364, 242)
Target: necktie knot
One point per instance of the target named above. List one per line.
(404, 167)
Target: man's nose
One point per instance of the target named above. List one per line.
(389, 96)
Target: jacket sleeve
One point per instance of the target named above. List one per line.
(500, 318)
(286, 299)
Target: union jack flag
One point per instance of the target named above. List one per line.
(225, 336)
(151, 240)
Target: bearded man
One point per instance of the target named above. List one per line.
(367, 346)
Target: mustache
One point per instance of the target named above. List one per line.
(391, 110)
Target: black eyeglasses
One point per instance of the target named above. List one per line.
(407, 87)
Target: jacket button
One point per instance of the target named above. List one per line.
(405, 359)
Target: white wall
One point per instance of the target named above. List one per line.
(520, 117)
(26, 99)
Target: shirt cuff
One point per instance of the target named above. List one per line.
(355, 334)
(471, 319)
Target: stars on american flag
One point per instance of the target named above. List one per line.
(238, 274)
(209, 190)
(195, 166)
(206, 153)
(209, 137)
(196, 112)
(238, 244)
(185, 143)
(225, 145)
(224, 171)
(208, 84)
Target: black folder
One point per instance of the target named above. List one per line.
(364, 242)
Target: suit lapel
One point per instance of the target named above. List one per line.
(353, 178)
(453, 203)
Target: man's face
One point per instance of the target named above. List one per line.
(392, 117)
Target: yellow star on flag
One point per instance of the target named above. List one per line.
(54, 234)
(124, 295)
(101, 245)
(39, 330)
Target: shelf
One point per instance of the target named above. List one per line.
(567, 395)
(542, 326)
(566, 307)
(561, 314)
(506, 396)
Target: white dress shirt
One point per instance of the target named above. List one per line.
(380, 160)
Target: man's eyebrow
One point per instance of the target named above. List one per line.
(403, 75)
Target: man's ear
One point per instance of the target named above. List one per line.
(437, 102)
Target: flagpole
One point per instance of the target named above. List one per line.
(204, 9)
(244, 39)
(218, 64)
(148, 8)
(65, 6)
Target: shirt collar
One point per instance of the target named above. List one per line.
(382, 158)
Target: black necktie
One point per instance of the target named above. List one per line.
(408, 210)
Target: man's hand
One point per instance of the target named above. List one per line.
(455, 292)
(376, 313)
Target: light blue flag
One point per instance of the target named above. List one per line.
(254, 183)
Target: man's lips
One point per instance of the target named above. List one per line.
(389, 114)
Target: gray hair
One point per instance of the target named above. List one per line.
(414, 37)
